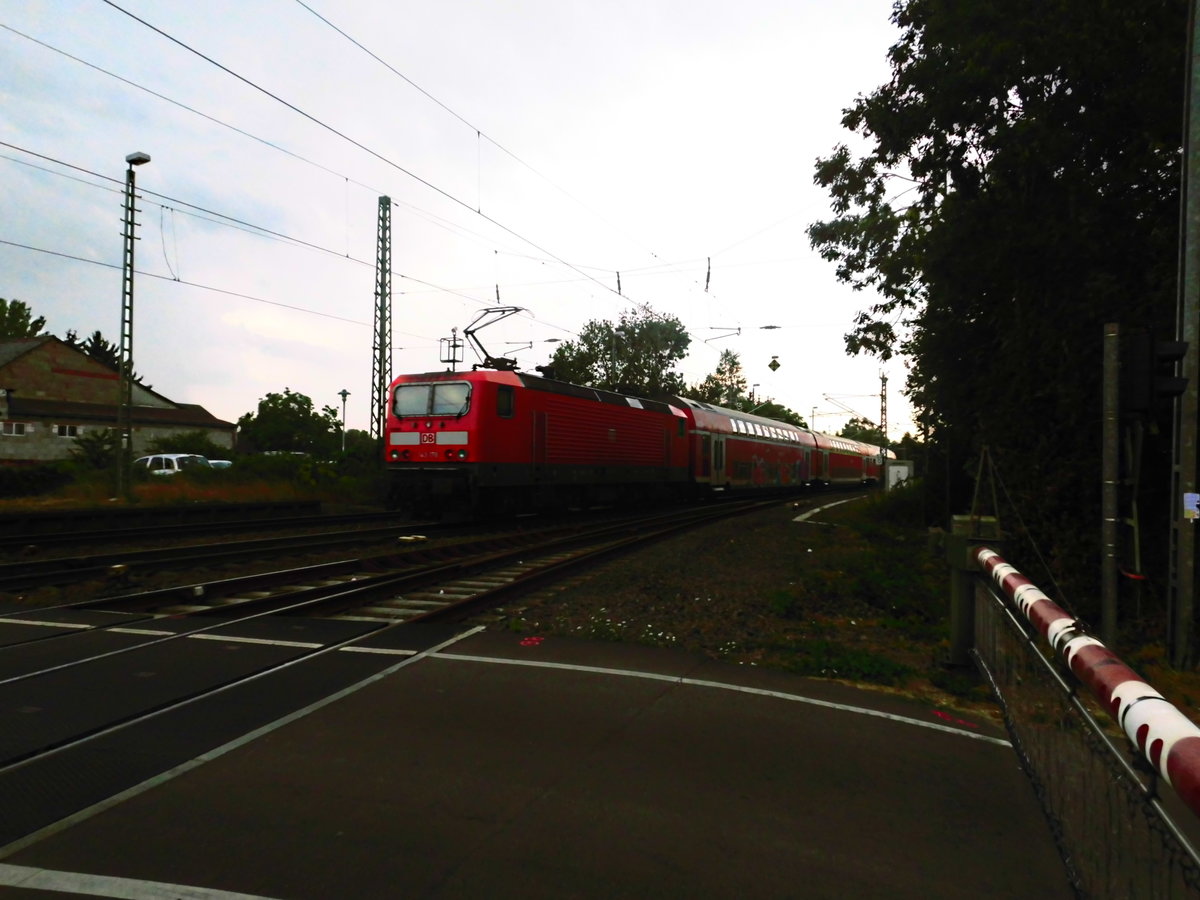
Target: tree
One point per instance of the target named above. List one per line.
(197, 442)
(96, 449)
(288, 422)
(772, 410)
(861, 430)
(104, 351)
(725, 386)
(1020, 189)
(16, 321)
(635, 356)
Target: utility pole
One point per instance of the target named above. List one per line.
(883, 408)
(1181, 589)
(1110, 456)
(124, 450)
(343, 393)
(381, 372)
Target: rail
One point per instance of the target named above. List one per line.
(1113, 829)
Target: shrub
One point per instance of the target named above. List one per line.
(31, 481)
(197, 442)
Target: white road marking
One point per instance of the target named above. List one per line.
(387, 651)
(44, 624)
(107, 886)
(308, 645)
(678, 679)
(152, 632)
(812, 512)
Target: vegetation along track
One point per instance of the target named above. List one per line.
(424, 581)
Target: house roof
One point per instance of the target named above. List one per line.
(11, 349)
(184, 414)
(20, 405)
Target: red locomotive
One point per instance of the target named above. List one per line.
(504, 441)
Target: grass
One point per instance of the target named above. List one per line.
(855, 594)
(204, 486)
(859, 593)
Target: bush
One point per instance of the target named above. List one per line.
(197, 442)
(31, 481)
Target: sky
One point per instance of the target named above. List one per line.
(531, 151)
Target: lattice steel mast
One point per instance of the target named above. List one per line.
(381, 373)
(124, 449)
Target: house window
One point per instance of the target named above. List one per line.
(67, 430)
(15, 429)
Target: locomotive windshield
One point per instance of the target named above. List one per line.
(445, 398)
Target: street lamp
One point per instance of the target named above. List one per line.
(343, 393)
(125, 358)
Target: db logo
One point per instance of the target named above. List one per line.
(428, 437)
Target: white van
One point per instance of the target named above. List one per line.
(169, 463)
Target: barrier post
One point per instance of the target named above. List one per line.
(967, 533)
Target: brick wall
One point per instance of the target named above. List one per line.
(56, 372)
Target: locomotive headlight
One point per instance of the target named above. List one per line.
(462, 454)
(395, 454)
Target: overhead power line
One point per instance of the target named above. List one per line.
(205, 287)
(190, 109)
(229, 221)
(379, 156)
(482, 135)
(455, 228)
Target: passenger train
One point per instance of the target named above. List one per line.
(504, 441)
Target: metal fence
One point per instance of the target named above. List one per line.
(1112, 829)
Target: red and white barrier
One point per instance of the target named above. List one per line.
(1165, 736)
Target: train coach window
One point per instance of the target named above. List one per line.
(504, 402)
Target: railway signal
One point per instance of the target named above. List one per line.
(1148, 372)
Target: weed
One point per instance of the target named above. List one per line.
(829, 659)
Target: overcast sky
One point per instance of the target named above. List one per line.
(539, 145)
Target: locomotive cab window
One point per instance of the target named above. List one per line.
(445, 398)
(504, 402)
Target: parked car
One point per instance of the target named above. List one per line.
(220, 463)
(170, 463)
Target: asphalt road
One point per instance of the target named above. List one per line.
(489, 765)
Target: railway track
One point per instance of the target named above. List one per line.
(17, 528)
(425, 581)
(89, 674)
(113, 567)
(26, 574)
(121, 531)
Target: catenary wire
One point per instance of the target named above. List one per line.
(482, 135)
(454, 228)
(377, 155)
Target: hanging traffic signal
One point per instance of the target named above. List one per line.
(1148, 371)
